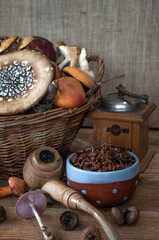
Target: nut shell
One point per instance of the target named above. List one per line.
(118, 215)
(69, 220)
(91, 233)
(131, 215)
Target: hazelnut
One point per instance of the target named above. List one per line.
(131, 215)
(118, 215)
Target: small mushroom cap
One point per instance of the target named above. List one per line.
(79, 75)
(7, 43)
(24, 203)
(17, 185)
(24, 42)
(25, 76)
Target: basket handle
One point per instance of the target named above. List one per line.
(101, 69)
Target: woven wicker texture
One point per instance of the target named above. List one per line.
(21, 134)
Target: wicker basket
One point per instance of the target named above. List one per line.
(21, 134)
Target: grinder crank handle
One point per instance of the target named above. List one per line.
(74, 200)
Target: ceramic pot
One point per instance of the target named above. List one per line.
(38, 169)
(104, 189)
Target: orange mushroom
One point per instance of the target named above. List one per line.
(16, 186)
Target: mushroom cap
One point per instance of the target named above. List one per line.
(7, 43)
(23, 42)
(17, 185)
(70, 93)
(24, 79)
(36, 198)
(79, 75)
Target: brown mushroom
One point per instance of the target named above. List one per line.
(70, 93)
(131, 214)
(33, 204)
(118, 215)
(7, 43)
(25, 76)
(69, 220)
(24, 42)
(16, 186)
(79, 75)
(91, 233)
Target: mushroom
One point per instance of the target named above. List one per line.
(71, 54)
(16, 186)
(118, 215)
(91, 233)
(69, 220)
(2, 214)
(25, 76)
(83, 63)
(32, 204)
(7, 43)
(24, 42)
(79, 75)
(131, 215)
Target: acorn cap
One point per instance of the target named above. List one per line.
(17, 185)
(79, 75)
(24, 203)
(25, 76)
(7, 43)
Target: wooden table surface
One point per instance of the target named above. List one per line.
(146, 198)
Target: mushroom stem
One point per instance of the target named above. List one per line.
(16, 186)
(5, 191)
(47, 235)
(83, 63)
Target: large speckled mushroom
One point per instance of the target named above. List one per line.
(33, 204)
(24, 79)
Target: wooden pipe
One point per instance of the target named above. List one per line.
(74, 200)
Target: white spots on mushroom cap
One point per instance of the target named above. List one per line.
(15, 63)
(10, 99)
(98, 202)
(1, 99)
(5, 63)
(25, 95)
(49, 74)
(47, 69)
(24, 63)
